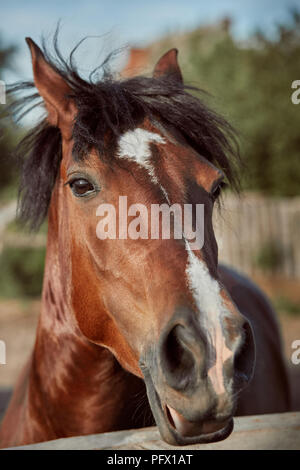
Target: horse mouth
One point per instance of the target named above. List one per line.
(175, 429)
(193, 429)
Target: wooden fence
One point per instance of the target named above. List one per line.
(261, 432)
(259, 235)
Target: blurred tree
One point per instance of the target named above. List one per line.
(253, 85)
(7, 129)
(21, 273)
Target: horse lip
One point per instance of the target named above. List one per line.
(168, 432)
(188, 428)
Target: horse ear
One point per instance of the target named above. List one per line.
(168, 65)
(54, 90)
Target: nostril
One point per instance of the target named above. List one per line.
(177, 359)
(245, 358)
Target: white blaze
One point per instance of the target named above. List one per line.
(134, 145)
(207, 295)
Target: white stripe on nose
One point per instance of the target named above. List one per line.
(207, 296)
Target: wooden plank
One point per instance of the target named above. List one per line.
(247, 223)
(262, 432)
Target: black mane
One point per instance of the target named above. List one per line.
(114, 106)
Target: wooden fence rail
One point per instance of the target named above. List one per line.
(261, 432)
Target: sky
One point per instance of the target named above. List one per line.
(125, 22)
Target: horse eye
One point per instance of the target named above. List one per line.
(81, 187)
(216, 191)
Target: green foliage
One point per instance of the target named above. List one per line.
(21, 273)
(286, 305)
(270, 256)
(8, 133)
(18, 227)
(253, 86)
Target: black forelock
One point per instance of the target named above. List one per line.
(109, 107)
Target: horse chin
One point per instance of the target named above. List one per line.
(177, 430)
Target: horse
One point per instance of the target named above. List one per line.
(135, 332)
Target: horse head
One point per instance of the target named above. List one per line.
(156, 303)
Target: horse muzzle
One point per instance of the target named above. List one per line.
(175, 429)
(191, 391)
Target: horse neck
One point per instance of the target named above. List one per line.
(71, 386)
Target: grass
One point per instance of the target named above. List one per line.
(8, 194)
(286, 305)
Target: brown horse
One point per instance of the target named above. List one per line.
(122, 317)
